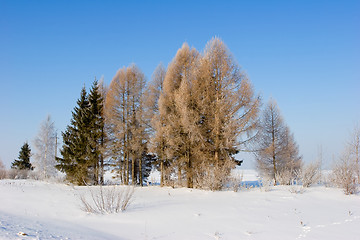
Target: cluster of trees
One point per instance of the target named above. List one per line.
(188, 122)
(44, 157)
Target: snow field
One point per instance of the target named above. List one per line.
(52, 211)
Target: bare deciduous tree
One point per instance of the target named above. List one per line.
(278, 152)
(157, 140)
(354, 150)
(344, 173)
(229, 107)
(172, 128)
(346, 170)
(207, 112)
(125, 123)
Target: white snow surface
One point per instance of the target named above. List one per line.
(44, 210)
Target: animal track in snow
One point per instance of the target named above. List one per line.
(306, 229)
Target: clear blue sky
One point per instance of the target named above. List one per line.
(304, 54)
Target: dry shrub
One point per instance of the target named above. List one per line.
(235, 181)
(11, 174)
(327, 180)
(344, 174)
(298, 189)
(296, 186)
(106, 200)
(213, 176)
(17, 174)
(3, 173)
(300, 179)
(309, 174)
(266, 184)
(35, 175)
(170, 178)
(285, 177)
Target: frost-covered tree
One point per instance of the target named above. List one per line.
(45, 147)
(2, 170)
(353, 147)
(23, 163)
(344, 173)
(278, 153)
(346, 169)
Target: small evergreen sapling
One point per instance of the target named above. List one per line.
(23, 163)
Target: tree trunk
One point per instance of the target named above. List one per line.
(189, 172)
(179, 175)
(127, 169)
(161, 173)
(121, 170)
(45, 163)
(140, 172)
(133, 178)
(97, 168)
(357, 145)
(273, 150)
(101, 169)
(102, 157)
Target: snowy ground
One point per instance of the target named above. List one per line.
(52, 211)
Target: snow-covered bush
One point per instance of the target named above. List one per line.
(266, 184)
(285, 177)
(35, 175)
(213, 177)
(298, 189)
(235, 181)
(327, 178)
(17, 174)
(309, 174)
(344, 174)
(2, 170)
(3, 173)
(104, 200)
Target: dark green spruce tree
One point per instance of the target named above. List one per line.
(83, 140)
(23, 163)
(75, 160)
(96, 134)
